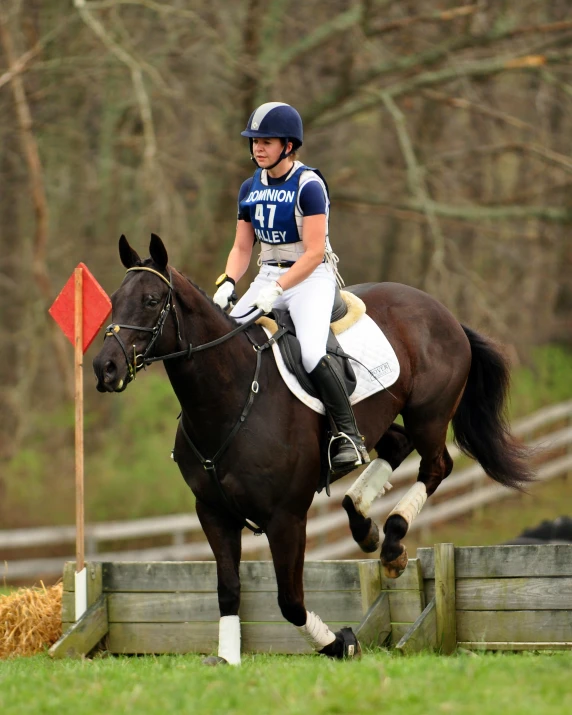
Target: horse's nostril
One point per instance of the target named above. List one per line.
(110, 370)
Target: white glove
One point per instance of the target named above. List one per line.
(267, 296)
(224, 294)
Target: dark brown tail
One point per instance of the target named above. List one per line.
(480, 424)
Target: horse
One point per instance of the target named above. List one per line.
(263, 446)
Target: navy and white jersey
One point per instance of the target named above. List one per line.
(276, 207)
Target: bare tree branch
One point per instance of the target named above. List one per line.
(165, 9)
(30, 147)
(466, 213)
(431, 17)
(314, 115)
(151, 165)
(553, 157)
(20, 64)
(462, 103)
(476, 68)
(547, 27)
(418, 188)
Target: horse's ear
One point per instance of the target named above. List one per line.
(158, 252)
(129, 256)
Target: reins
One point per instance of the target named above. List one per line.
(143, 359)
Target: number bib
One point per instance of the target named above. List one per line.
(272, 208)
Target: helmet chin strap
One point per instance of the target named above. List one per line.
(283, 155)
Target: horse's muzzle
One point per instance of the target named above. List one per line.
(107, 375)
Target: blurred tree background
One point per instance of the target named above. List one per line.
(443, 128)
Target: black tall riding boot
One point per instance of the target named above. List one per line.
(333, 393)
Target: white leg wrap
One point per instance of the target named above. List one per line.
(411, 504)
(371, 484)
(316, 632)
(229, 639)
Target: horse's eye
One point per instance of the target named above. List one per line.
(151, 301)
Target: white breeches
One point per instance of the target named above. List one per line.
(309, 304)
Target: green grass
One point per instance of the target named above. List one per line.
(511, 684)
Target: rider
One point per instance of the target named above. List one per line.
(285, 207)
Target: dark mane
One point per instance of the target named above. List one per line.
(233, 323)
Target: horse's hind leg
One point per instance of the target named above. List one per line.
(392, 449)
(224, 537)
(287, 539)
(429, 440)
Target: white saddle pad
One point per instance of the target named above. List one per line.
(365, 341)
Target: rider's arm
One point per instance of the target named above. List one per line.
(314, 240)
(241, 253)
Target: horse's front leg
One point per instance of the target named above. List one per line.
(287, 539)
(224, 537)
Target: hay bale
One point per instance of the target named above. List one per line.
(30, 620)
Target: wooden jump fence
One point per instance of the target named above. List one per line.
(478, 598)
(328, 536)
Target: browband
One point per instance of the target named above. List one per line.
(151, 270)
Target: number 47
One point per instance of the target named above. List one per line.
(259, 214)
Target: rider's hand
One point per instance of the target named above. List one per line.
(268, 296)
(225, 294)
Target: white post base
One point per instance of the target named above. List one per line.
(371, 484)
(80, 593)
(229, 639)
(411, 503)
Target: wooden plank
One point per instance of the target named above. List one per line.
(405, 606)
(514, 594)
(376, 626)
(84, 635)
(531, 645)
(429, 589)
(68, 581)
(200, 576)
(410, 579)
(445, 597)
(94, 582)
(94, 588)
(423, 633)
(202, 638)
(398, 630)
(515, 561)
(94, 579)
(514, 626)
(370, 582)
(335, 606)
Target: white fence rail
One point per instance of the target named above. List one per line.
(327, 531)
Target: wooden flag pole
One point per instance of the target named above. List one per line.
(80, 327)
(81, 574)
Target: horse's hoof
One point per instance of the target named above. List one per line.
(371, 541)
(394, 569)
(214, 660)
(345, 646)
(364, 529)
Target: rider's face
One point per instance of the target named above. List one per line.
(267, 151)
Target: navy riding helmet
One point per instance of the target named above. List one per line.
(275, 119)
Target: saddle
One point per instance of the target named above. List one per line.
(346, 310)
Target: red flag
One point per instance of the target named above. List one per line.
(96, 308)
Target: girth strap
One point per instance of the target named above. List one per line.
(210, 464)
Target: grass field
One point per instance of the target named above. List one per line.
(381, 683)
